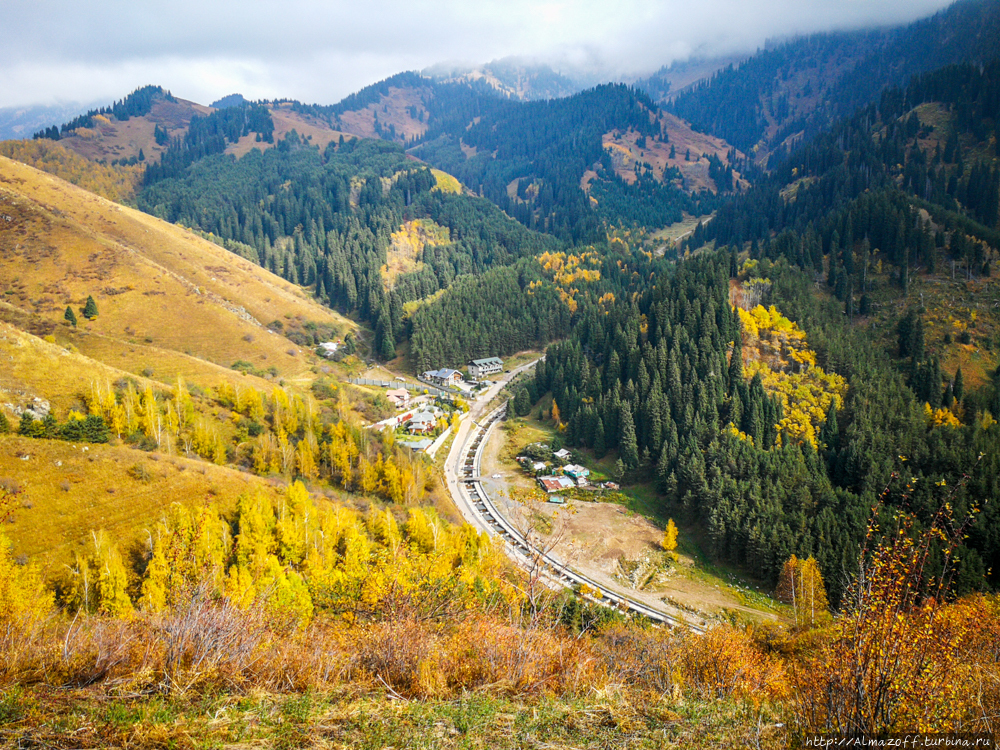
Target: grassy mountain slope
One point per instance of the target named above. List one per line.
(165, 297)
(110, 139)
(69, 490)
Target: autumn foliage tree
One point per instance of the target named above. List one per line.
(669, 542)
(901, 658)
(801, 585)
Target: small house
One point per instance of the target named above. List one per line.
(422, 423)
(575, 471)
(562, 454)
(419, 445)
(444, 376)
(398, 397)
(481, 368)
(538, 466)
(556, 484)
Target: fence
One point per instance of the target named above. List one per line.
(433, 390)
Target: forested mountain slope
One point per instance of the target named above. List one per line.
(805, 85)
(543, 161)
(339, 221)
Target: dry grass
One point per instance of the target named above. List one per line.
(285, 121)
(625, 152)
(71, 490)
(407, 246)
(391, 109)
(164, 295)
(122, 140)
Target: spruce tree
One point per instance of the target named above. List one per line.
(627, 443)
(90, 309)
(599, 446)
(70, 316)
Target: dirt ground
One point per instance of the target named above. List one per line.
(609, 543)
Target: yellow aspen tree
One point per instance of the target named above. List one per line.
(669, 542)
(418, 531)
(263, 453)
(156, 581)
(239, 587)
(148, 412)
(81, 594)
(255, 405)
(305, 460)
(812, 592)
(218, 450)
(255, 538)
(22, 591)
(801, 585)
(111, 578)
(368, 476)
(788, 584)
(392, 482)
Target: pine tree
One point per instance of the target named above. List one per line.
(90, 309)
(522, 402)
(599, 445)
(627, 442)
(70, 316)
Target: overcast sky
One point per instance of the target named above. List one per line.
(319, 51)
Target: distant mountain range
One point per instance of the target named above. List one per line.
(23, 122)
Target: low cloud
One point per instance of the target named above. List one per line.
(320, 52)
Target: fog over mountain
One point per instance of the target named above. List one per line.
(64, 51)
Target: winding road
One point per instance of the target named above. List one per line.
(462, 474)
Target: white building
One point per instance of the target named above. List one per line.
(481, 368)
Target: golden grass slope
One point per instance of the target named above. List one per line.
(311, 130)
(169, 301)
(392, 109)
(68, 490)
(112, 139)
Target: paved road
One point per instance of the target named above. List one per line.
(452, 470)
(479, 510)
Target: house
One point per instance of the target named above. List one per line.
(562, 454)
(577, 472)
(422, 423)
(444, 376)
(419, 445)
(481, 368)
(555, 484)
(538, 466)
(328, 349)
(398, 397)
